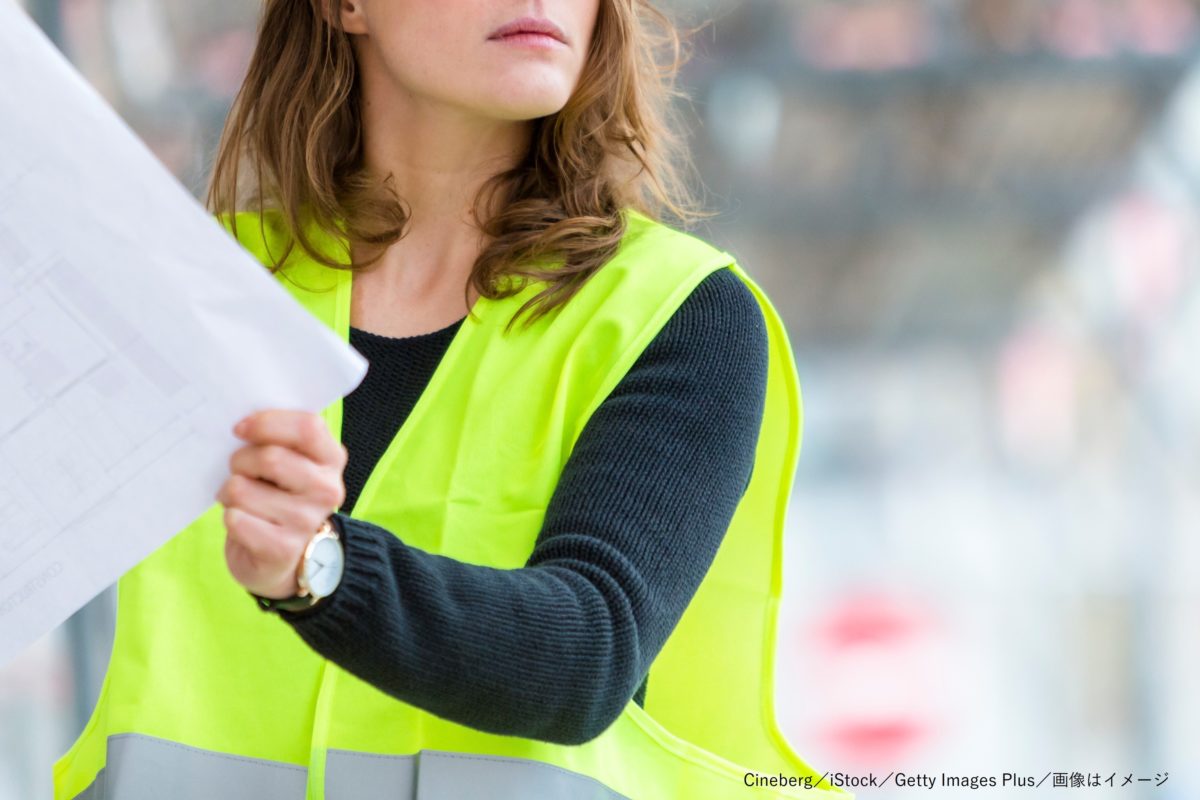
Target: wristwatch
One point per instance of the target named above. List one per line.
(319, 573)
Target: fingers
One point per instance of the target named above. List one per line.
(272, 504)
(302, 431)
(261, 540)
(259, 554)
(279, 465)
(283, 484)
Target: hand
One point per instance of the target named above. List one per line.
(285, 482)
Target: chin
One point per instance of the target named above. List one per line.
(529, 102)
(527, 111)
(522, 112)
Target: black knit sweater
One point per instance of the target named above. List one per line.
(554, 650)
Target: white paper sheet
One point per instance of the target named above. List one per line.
(134, 333)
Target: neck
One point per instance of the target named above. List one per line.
(439, 157)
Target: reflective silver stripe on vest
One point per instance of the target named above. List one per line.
(144, 768)
(436, 775)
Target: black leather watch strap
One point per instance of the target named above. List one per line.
(286, 603)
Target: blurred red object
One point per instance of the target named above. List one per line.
(890, 34)
(1079, 29)
(874, 665)
(1098, 29)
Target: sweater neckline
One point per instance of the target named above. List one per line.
(379, 337)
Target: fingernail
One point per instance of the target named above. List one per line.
(240, 428)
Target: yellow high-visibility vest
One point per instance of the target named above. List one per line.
(208, 698)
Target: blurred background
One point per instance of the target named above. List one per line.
(981, 222)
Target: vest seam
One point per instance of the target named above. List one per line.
(789, 377)
(707, 760)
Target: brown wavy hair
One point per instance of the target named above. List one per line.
(296, 124)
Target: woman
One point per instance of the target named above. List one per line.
(578, 425)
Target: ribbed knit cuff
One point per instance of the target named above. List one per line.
(364, 573)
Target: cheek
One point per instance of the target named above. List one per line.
(417, 39)
(422, 65)
(589, 13)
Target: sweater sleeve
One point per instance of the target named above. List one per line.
(554, 650)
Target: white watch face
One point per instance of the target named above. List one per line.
(323, 567)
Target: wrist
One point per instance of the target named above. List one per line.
(319, 572)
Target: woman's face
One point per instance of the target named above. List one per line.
(454, 52)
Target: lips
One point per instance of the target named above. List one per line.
(535, 25)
